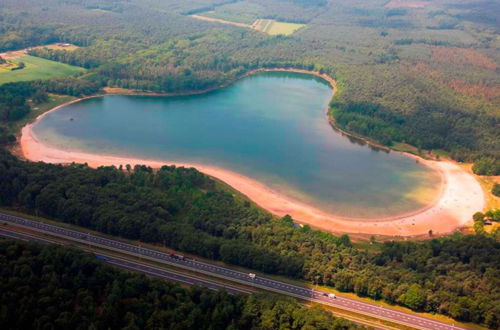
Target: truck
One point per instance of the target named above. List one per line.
(176, 256)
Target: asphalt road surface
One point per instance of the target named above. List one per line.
(163, 273)
(226, 273)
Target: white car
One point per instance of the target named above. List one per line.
(251, 275)
(332, 296)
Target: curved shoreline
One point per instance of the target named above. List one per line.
(332, 82)
(459, 198)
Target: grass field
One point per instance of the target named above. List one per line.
(37, 68)
(273, 27)
(269, 26)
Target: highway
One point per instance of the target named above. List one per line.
(225, 273)
(163, 273)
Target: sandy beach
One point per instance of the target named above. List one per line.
(461, 194)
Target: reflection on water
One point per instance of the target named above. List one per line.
(271, 127)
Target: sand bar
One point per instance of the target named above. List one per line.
(461, 194)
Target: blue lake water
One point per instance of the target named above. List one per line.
(271, 127)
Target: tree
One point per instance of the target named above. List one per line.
(496, 189)
(493, 214)
(487, 166)
(414, 297)
(478, 217)
(345, 240)
(479, 228)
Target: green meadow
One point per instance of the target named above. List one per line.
(274, 27)
(37, 68)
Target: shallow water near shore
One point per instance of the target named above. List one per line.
(270, 127)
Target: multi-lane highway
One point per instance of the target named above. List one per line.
(225, 273)
(164, 273)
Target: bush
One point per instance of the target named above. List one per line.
(496, 189)
(487, 166)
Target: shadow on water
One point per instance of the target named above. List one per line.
(360, 141)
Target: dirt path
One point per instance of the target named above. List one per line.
(218, 20)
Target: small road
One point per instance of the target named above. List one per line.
(225, 273)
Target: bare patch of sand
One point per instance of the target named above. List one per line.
(461, 194)
(14, 54)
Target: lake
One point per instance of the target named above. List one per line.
(270, 127)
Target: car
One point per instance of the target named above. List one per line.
(325, 294)
(332, 296)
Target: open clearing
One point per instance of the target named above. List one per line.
(37, 68)
(218, 20)
(14, 54)
(60, 46)
(269, 26)
(273, 27)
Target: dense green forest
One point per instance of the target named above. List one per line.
(185, 210)
(424, 76)
(59, 288)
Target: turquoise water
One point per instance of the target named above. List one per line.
(271, 127)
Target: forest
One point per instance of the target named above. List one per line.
(426, 77)
(45, 287)
(183, 209)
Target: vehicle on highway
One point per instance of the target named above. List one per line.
(263, 282)
(176, 256)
